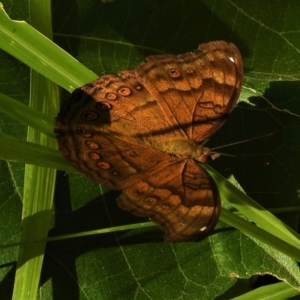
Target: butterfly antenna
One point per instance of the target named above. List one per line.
(223, 154)
(248, 140)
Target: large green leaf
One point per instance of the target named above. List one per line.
(136, 264)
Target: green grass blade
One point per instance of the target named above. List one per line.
(38, 52)
(262, 235)
(84, 234)
(253, 211)
(14, 149)
(27, 115)
(39, 182)
(277, 291)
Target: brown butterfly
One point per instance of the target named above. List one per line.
(141, 132)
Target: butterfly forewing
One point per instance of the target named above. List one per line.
(196, 90)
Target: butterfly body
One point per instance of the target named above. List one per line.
(141, 132)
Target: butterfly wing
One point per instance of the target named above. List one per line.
(196, 90)
(121, 103)
(178, 195)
